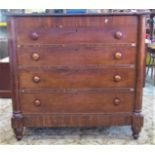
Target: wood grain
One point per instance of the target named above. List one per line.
(75, 55)
(71, 30)
(77, 78)
(77, 71)
(78, 102)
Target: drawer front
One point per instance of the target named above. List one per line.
(77, 78)
(48, 30)
(79, 102)
(76, 55)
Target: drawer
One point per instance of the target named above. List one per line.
(77, 78)
(75, 55)
(79, 102)
(49, 30)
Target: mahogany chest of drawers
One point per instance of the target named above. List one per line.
(76, 70)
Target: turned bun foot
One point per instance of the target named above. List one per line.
(18, 133)
(135, 136)
(135, 132)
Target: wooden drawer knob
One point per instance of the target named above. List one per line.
(117, 78)
(36, 79)
(60, 26)
(116, 101)
(118, 35)
(34, 36)
(37, 102)
(118, 55)
(35, 56)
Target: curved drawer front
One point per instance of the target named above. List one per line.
(79, 102)
(76, 55)
(77, 78)
(48, 30)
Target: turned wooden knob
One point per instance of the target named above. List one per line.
(118, 35)
(116, 101)
(37, 102)
(117, 78)
(35, 56)
(34, 36)
(118, 55)
(36, 79)
(60, 26)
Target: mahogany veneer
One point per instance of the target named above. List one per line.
(77, 70)
(5, 90)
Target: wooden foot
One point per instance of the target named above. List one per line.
(17, 124)
(135, 131)
(137, 124)
(18, 133)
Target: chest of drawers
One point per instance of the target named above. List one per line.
(76, 70)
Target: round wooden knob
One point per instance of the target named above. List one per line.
(118, 55)
(34, 36)
(35, 56)
(118, 35)
(36, 79)
(37, 102)
(117, 78)
(116, 101)
(60, 26)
